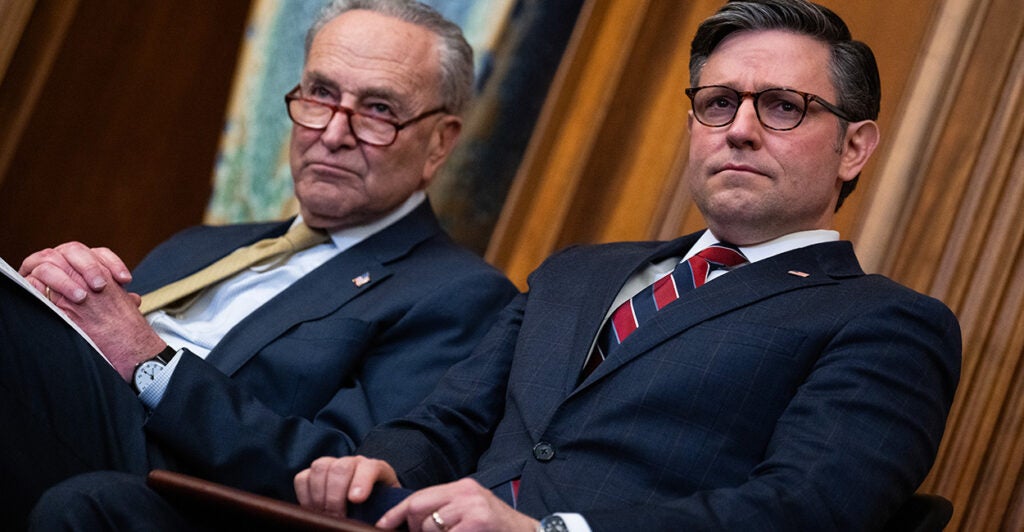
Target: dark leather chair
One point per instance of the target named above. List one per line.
(921, 513)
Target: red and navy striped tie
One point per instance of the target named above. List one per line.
(689, 274)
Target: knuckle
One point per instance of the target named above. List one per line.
(467, 486)
(71, 246)
(340, 465)
(419, 506)
(321, 464)
(45, 269)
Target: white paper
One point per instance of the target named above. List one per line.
(17, 278)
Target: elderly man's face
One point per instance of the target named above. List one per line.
(383, 67)
(753, 184)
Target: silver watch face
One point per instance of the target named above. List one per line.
(146, 373)
(553, 523)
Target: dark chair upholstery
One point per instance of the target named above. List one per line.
(921, 513)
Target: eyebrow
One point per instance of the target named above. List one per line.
(383, 93)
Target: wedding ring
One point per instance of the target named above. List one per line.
(48, 293)
(438, 521)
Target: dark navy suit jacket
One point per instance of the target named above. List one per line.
(309, 373)
(794, 393)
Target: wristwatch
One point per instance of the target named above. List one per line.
(146, 371)
(552, 523)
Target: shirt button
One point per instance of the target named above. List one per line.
(543, 451)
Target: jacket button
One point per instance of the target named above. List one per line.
(543, 451)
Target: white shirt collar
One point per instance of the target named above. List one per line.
(350, 236)
(773, 247)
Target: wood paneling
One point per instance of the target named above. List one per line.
(14, 16)
(971, 257)
(116, 140)
(37, 40)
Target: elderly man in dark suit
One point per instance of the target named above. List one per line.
(746, 377)
(291, 358)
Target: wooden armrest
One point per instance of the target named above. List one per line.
(244, 510)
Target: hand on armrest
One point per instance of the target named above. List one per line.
(330, 484)
(241, 508)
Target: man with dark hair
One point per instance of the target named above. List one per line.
(265, 362)
(746, 377)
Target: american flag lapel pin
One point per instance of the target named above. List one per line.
(798, 273)
(361, 280)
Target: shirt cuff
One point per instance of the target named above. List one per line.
(153, 393)
(574, 522)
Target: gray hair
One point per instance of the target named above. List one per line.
(852, 67)
(456, 55)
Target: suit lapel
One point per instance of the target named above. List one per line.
(355, 271)
(605, 277)
(795, 270)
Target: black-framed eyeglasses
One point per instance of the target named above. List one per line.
(777, 108)
(372, 130)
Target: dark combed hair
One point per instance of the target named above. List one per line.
(852, 68)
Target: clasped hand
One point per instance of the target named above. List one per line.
(86, 283)
(329, 484)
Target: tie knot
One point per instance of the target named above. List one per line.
(302, 236)
(722, 255)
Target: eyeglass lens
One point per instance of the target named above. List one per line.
(776, 108)
(317, 115)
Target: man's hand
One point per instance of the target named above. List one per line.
(69, 273)
(330, 483)
(112, 319)
(459, 506)
(72, 270)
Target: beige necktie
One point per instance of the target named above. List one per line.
(298, 238)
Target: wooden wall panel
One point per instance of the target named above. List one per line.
(541, 196)
(973, 261)
(36, 32)
(14, 15)
(115, 142)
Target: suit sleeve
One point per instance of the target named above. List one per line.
(442, 440)
(858, 437)
(213, 427)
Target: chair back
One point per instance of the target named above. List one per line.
(921, 513)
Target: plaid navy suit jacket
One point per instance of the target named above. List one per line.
(764, 400)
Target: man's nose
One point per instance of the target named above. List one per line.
(339, 132)
(745, 128)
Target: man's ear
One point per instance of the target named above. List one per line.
(442, 142)
(859, 143)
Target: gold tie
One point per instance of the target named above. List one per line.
(298, 238)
